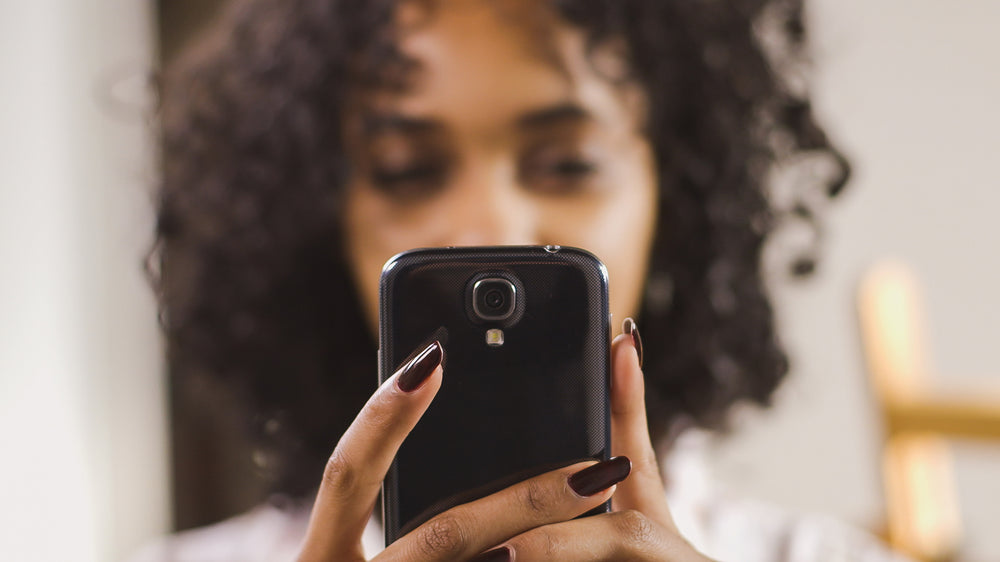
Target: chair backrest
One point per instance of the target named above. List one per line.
(922, 516)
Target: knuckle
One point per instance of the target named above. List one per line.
(551, 545)
(647, 461)
(540, 543)
(537, 498)
(339, 475)
(442, 537)
(634, 528)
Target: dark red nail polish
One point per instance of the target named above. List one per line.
(631, 329)
(417, 370)
(501, 554)
(600, 476)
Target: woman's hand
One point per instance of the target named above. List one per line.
(531, 520)
(640, 526)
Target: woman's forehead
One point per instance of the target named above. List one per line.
(412, 14)
(483, 34)
(492, 61)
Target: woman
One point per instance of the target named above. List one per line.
(310, 140)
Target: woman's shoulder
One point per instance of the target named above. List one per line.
(757, 532)
(266, 532)
(271, 532)
(730, 528)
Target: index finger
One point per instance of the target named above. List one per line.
(359, 463)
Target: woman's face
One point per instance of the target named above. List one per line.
(509, 133)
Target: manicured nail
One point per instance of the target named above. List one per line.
(629, 327)
(600, 476)
(417, 370)
(501, 554)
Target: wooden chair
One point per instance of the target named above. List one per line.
(922, 514)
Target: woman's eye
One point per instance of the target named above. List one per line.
(573, 168)
(409, 182)
(559, 176)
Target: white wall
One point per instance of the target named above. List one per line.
(910, 89)
(82, 475)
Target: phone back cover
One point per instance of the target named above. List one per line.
(504, 413)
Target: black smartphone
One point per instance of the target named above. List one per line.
(527, 370)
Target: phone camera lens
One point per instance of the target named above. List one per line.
(493, 298)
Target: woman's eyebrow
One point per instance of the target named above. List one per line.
(390, 122)
(556, 114)
(382, 123)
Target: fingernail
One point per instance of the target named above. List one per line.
(600, 476)
(501, 554)
(416, 371)
(629, 327)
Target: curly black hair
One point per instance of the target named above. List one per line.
(254, 288)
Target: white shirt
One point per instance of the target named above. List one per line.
(722, 528)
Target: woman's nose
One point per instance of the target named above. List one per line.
(489, 207)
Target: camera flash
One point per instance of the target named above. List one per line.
(494, 337)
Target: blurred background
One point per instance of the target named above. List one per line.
(907, 88)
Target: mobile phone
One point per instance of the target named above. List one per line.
(527, 370)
